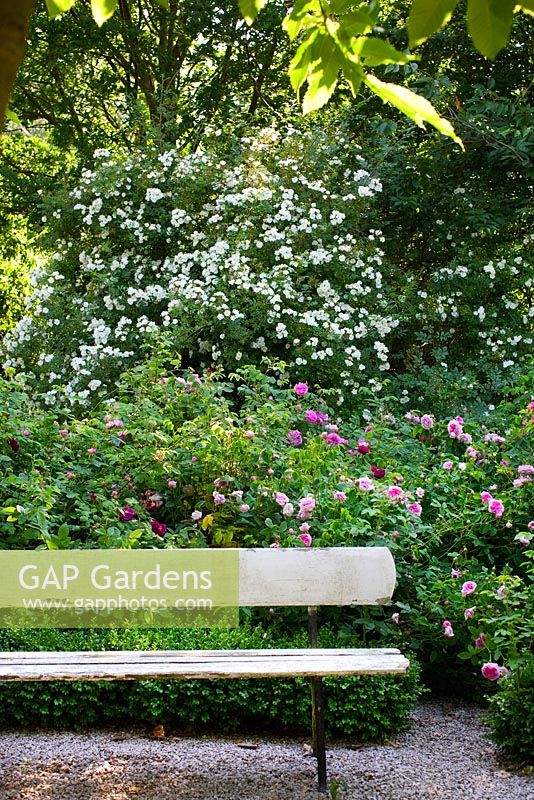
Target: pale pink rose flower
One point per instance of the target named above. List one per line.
(281, 498)
(468, 588)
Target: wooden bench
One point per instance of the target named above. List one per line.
(267, 577)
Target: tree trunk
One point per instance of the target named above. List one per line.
(14, 22)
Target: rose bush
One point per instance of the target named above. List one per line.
(180, 459)
(264, 246)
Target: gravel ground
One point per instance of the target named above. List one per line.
(445, 756)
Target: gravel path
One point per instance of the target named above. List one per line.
(445, 756)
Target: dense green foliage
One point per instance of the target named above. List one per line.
(365, 708)
(178, 460)
(511, 716)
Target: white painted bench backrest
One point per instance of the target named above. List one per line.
(332, 576)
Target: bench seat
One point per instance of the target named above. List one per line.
(198, 664)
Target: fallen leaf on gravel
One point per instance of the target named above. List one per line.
(158, 732)
(247, 745)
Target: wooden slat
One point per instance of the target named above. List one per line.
(333, 576)
(132, 665)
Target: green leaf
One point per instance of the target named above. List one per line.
(322, 75)
(354, 24)
(250, 9)
(489, 23)
(300, 64)
(12, 117)
(377, 51)
(417, 108)
(428, 17)
(57, 7)
(164, 3)
(303, 14)
(526, 6)
(103, 10)
(354, 74)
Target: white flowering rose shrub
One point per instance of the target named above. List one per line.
(256, 248)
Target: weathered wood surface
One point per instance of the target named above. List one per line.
(198, 664)
(333, 576)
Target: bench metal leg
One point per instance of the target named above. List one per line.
(318, 708)
(319, 745)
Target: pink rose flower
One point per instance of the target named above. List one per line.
(218, 498)
(91, 450)
(341, 496)
(306, 539)
(420, 493)
(471, 452)
(427, 421)
(448, 465)
(447, 629)
(294, 438)
(480, 641)
(244, 507)
(468, 588)
(527, 469)
(455, 573)
(300, 389)
(334, 439)
(288, 509)
(455, 429)
(365, 484)
(306, 506)
(249, 434)
(485, 497)
(491, 671)
(172, 484)
(415, 508)
(469, 612)
(394, 492)
(395, 618)
(281, 498)
(496, 507)
(63, 432)
(196, 515)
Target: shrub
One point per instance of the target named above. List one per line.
(264, 246)
(236, 254)
(369, 707)
(252, 461)
(511, 715)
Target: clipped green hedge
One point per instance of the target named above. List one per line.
(367, 707)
